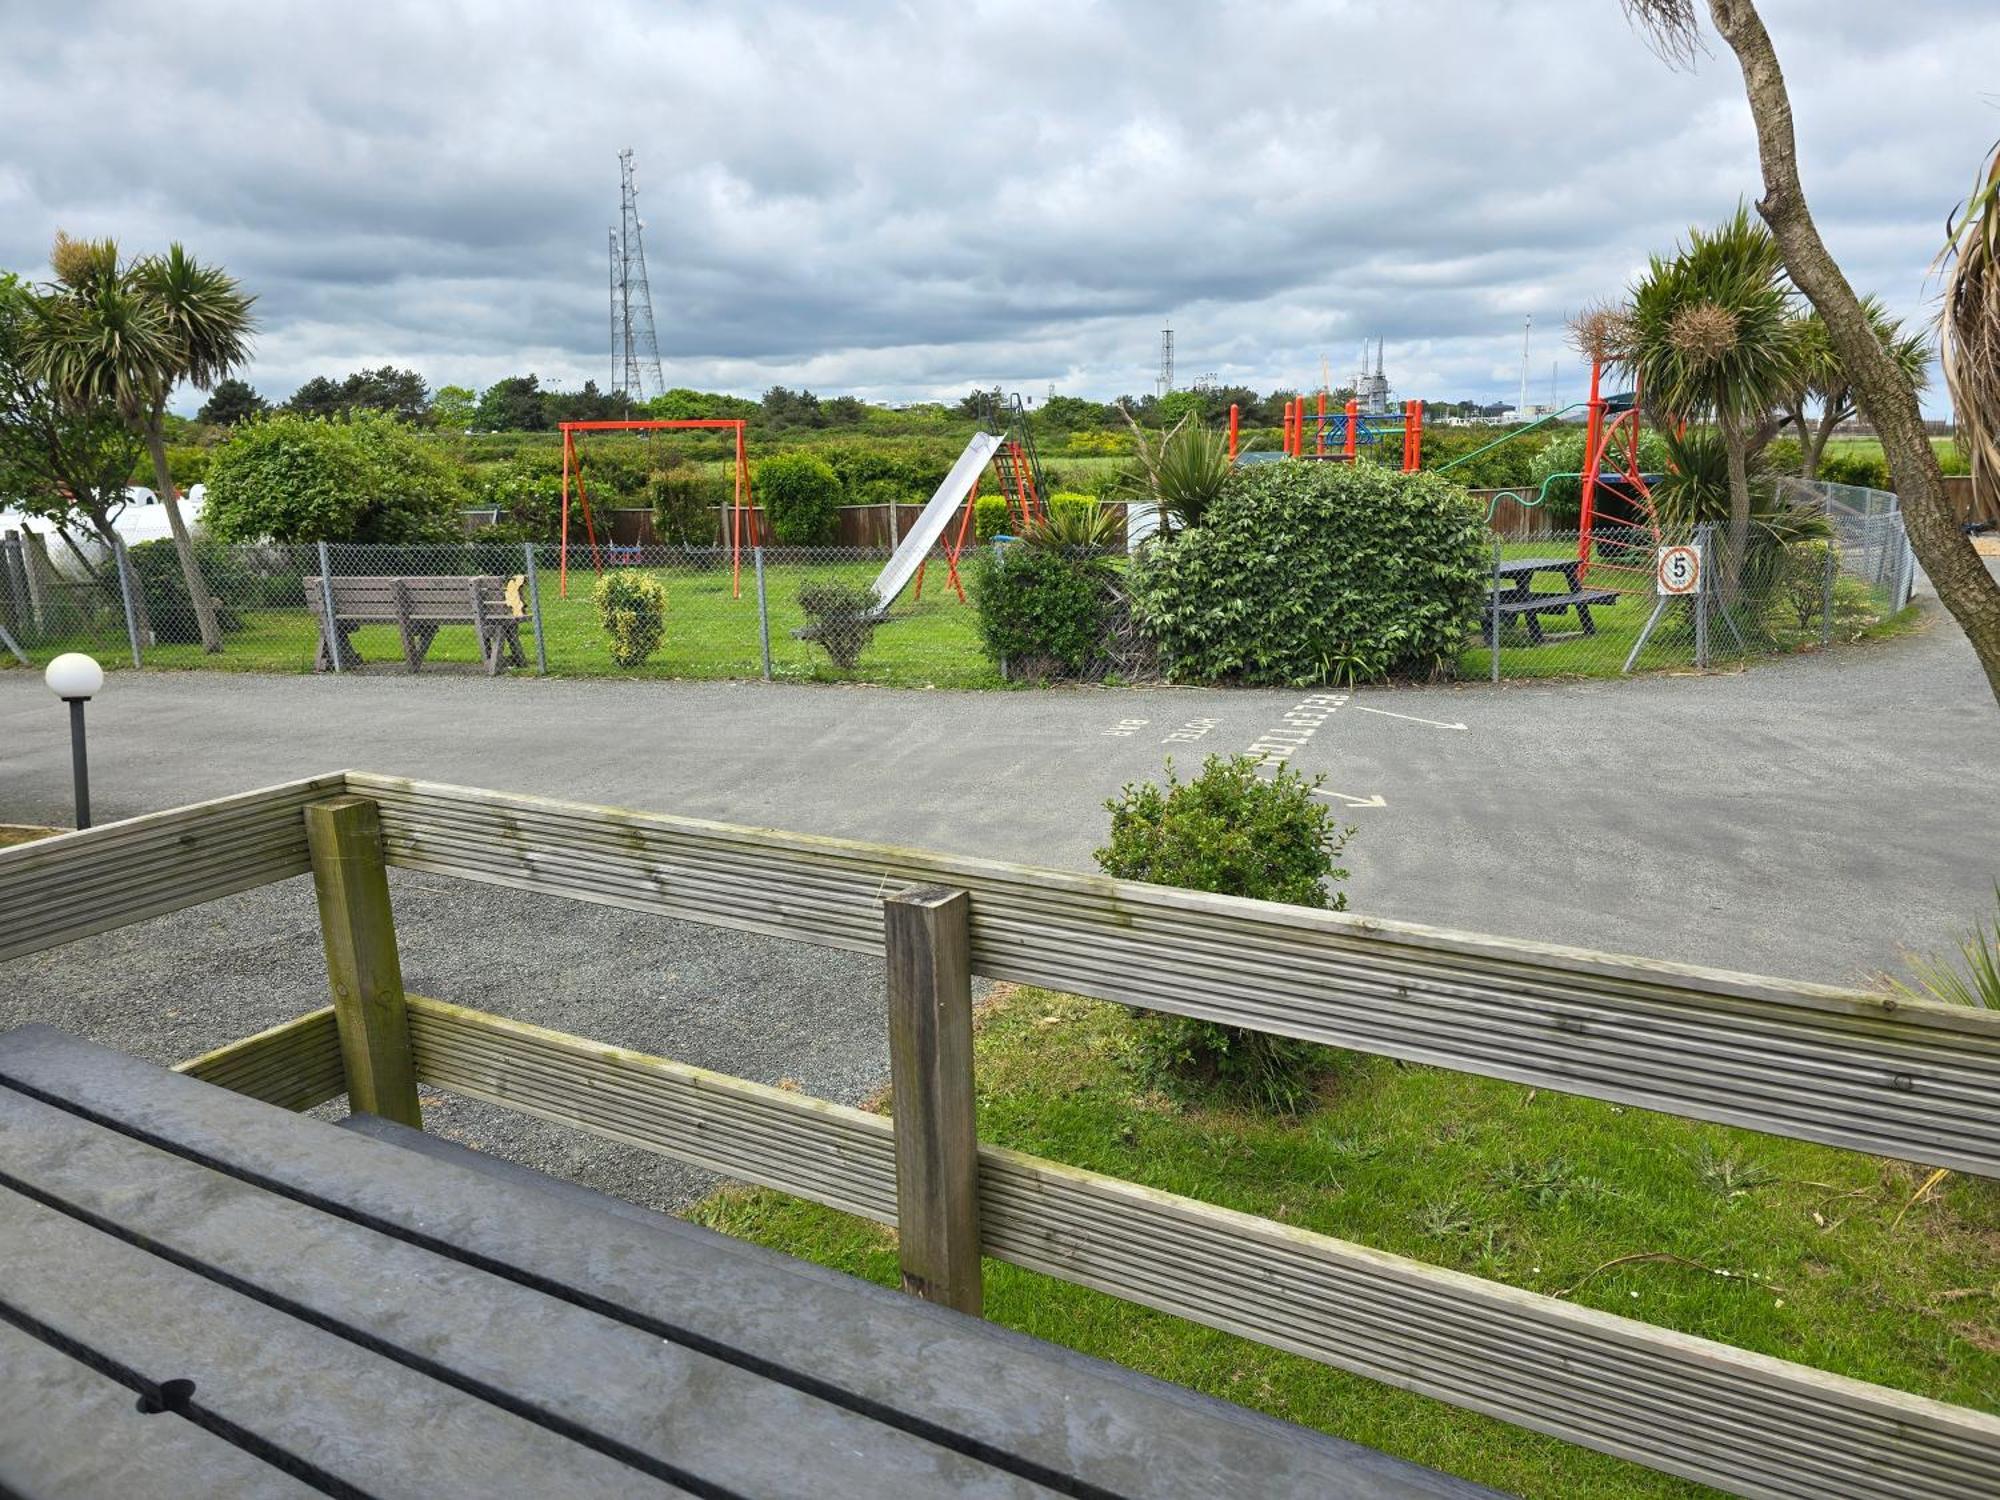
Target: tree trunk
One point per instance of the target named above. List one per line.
(1816, 445)
(1966, 589)
(204, 606)
(1736, 543)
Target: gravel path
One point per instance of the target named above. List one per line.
(178, 985)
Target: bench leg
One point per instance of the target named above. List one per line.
(1583, 619)
(1534, 627)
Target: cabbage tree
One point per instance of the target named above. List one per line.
(126, 334)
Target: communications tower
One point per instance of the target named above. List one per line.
(635, 346)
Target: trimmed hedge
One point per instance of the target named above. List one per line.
(801, 497)
(1311, 572)
(1040, 611)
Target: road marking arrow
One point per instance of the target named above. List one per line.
(1348, 799)
(1385, 713)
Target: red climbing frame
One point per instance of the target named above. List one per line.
(573, 466)
(1599, 435)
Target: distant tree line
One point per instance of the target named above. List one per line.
(520, 403)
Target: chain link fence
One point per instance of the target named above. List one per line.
(1555, 606)
(471, 607)
(1634, 599)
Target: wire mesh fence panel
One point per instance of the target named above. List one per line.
(1556, 603)
(48, 610)
(1640, 600)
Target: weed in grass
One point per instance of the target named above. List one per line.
(1442, 1218)
(1730, 1174)
(1548, 1183)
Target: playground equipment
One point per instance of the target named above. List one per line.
(1609, 418)
(572, 456)
(1341, 438)
(1008, 443)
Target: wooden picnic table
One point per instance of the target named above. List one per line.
(1515, 595)
(207, 1295)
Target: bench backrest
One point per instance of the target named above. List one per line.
(448, 598)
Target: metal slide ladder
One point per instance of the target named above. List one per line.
(1015, 460)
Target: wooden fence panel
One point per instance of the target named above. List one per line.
(295, 1065)
(1690, 1406)
(1847, 1068)
(59, 889)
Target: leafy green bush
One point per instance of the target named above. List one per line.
(1502, 464)
(1800, 598)
(1096, 440)
(1234, 831)
(1562, 505)
(156, 568)
(365, 478)
(843, 617)
(1309, 572)
(683, 500)
(1861, 466)
(632, 609)
(801, 498)
(1042, 610)
(992, 516)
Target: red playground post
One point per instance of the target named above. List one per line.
(1319, 437)
(1235, 414)
(1353, 423)
(573, 466)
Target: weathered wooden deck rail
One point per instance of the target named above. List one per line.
(1916, 1081)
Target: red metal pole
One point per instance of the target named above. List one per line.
(1319, 436)
(736, 529)
(1353, 416)
(1593, 444)
(562, 542)
(1235, 414)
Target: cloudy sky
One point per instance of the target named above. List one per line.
(907, 200)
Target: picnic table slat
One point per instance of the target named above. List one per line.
(685, 1411)
(1046, 1412)
(69, 1432)
(349, 1413)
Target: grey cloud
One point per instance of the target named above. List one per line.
(909, 199)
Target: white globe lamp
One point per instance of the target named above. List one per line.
(76, 678)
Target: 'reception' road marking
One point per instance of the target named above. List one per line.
(1300, 723)
(1191, 731)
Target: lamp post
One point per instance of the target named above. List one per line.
(75, 678)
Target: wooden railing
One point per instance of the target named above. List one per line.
(1916, 1081)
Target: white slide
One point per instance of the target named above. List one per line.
(937, 513)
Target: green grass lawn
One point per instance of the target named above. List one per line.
(711, 632)
(1829, 1262)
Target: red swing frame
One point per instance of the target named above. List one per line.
(573, 464)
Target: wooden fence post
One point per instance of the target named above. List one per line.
(362, 967)
(930, 1075)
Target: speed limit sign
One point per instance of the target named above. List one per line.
(1678, 570)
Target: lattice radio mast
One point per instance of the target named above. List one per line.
(635, 346)
(1166, 360)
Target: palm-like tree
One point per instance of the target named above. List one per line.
(1969, 325)
(128, 334)
(1824, 383)
(1713, 338)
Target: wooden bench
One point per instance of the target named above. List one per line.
(418, 608)
(1531, 607)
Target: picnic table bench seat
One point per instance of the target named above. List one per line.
(228, 1298)
(1506, 605)
(1514, 596)
(418, 606)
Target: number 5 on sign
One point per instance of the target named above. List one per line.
(1678, 570)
